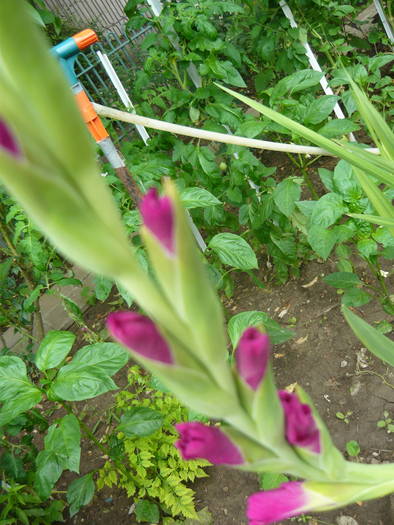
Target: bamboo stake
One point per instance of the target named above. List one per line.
(212, 136)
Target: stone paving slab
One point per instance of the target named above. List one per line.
(53, 313)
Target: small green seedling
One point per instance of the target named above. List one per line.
(386, 423)
(353, 448)
(344, 417)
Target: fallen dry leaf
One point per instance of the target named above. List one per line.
(301, 340)
(308, 285)
(290, 388)
(279, 355)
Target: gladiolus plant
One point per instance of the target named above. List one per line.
(181, 337)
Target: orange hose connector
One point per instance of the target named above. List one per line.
(85, 38)
(90, 117)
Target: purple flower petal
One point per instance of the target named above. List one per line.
(8, 141)
(139, 333)
(201, 441)
(158, 216)
(270, 506)
(252, 356)
(301, 429)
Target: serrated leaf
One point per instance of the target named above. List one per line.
(140, 421)
(147, 511)
(80, 492)
(198, 198)
(234, 251)
(53, 349)
(238, 323)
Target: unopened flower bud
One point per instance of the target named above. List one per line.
(138, 333)
(201, 441)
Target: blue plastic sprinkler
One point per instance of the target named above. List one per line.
(66, 52)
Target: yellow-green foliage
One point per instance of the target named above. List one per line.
(153, 466)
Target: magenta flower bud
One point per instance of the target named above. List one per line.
(158, 216)
(271, 506)
(252, 356)
(8, 141)
(300, 427)
(201, 441)
(139, 333)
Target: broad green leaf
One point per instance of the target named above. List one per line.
(239, 322)
(377, 343)
(12, 466)
(77, 385)
(104, 357)
(320, 109)
(147, 511)
(234, 251)
(48, 471)
(80, 492)
(355, 297)
(338, 127)
(140, 421)
(345, 181)
(251, 128)
(327, 210)
(70, 441)
(198, 198)
(298, 81)
(322, 240)
(102, 287)
(232, 75)
(53, 349)
(13, 377)
(22, 401)
(327, 178)
(342, 280)
(285, 195)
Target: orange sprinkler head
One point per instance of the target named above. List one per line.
(85, 38)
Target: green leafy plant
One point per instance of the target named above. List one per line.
(386, 423)
(20, 504)
(145, 437)
(59, 382)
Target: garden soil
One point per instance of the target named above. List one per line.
(325, 358)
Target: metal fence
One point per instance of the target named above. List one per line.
(125, 54)
(103, 15)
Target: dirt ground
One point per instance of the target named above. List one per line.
(328, 361)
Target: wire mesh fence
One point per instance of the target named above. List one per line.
(124, 52)
(104, 15)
